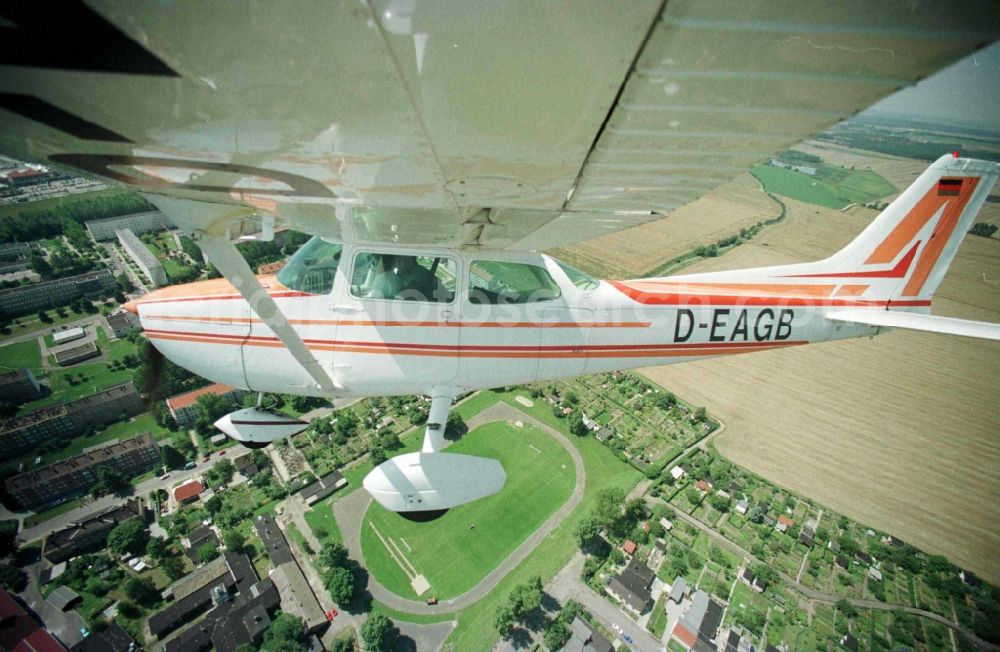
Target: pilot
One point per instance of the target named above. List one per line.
(386, 284)
(419, 284)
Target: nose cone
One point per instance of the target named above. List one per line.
(131, 307)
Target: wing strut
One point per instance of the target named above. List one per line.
(209, 223)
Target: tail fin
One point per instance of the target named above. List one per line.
(909, 246)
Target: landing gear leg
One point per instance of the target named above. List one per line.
(436, 422)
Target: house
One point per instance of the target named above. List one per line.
(875, 574)
(969, 579)
(736, 642)
(19, 632)
(64, 598)
(784, 523)
(849, 642)
(752, 580)
(328, 484)
(297, 595)
(742, 505)
(604, 434)
(864, 558)
(245, 465)
(629, 547)
(735, 488)
(666, 523)
(188, 492)
(893, 541)
(113, 638)
(703, 486)
(697, 628)
(82, 536)
(806, 537)
(644, 526)
(217, 440)
(678, 590)
(589, 423)
(677, 473)
(631, 586)
(199, 537)
(833, 545)
(842, 561)
(584, 638)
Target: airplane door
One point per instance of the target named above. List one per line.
(397, 323)
(565, 336)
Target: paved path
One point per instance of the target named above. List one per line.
(821, 596)
(567, 585)
(65, 625)
(350, 512)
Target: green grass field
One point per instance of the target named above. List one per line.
(832, 187)
(22, 354)
(453, 556)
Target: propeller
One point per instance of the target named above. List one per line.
(155, 365)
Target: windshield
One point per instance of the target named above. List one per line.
(583, 281)
(312, 268)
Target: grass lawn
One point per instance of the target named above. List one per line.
(658, 620)
(60, 202)
(321, 521)
(475, 629)
(451, 555)
(22, 354)
(30, 323)
(832, 186)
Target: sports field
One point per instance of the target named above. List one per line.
(831, 186)
(449, 552)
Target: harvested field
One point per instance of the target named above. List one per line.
(901, 433)
(639, 250)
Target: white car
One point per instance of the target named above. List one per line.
(615, 627)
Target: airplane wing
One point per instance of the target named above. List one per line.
(499, 124)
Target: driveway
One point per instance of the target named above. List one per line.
(350, 512)
(65, 625)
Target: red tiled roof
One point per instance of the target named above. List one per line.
(189, 398)
(188, 490)
(685, 635)
(21, 633)
(784, 520)
(702, 485)
(629, 547)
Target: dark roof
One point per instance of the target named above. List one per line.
(232, 624)
(112, 639)
(105, 520)
(849, 642)
(632, 584)
(201, 536)
(325, 485)
(863, 556)
(96, 457)
(273, 540)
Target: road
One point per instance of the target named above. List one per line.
(142, 489)
(821, 596)
(350, 512)
(567, 585)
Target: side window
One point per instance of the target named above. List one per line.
(312, 268)
(492, 282)
(581, 280)
(403, 278)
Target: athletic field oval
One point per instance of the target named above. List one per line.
(450, 554)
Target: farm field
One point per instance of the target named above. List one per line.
(639, 250)
(832, 186)
(898, 432)
(457, 550)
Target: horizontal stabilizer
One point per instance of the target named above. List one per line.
(919, 322)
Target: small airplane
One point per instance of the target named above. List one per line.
(434, 153)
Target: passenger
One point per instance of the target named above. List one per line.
(419, 284)
(386, 284)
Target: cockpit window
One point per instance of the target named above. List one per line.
(312, 268)
(430, 279)
(492, 282)
(583, 281)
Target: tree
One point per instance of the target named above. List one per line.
(213, 505)
(156, 548)
(210, 408)
(756, 514)
(13, 578)
(110, 481)
(170, 457)
(339, 582)
(577, 426)
(376, 455)
(225, 469)
(130, 536)
(587, 530)
(504, 619)
(455, 427)
(378, 633)
(699, 414)
(287, 633)
(333, 554)
(129, 609)
(142, 591)
(234, 540)
(846, 608)
(207, 553)
(173, 567)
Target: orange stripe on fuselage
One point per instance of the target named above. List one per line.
(405, 324)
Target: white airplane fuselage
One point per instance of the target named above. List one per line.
(379, 347)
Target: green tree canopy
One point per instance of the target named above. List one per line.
(287, 633)
(378, 633)
(130, 536)
(339, 582)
